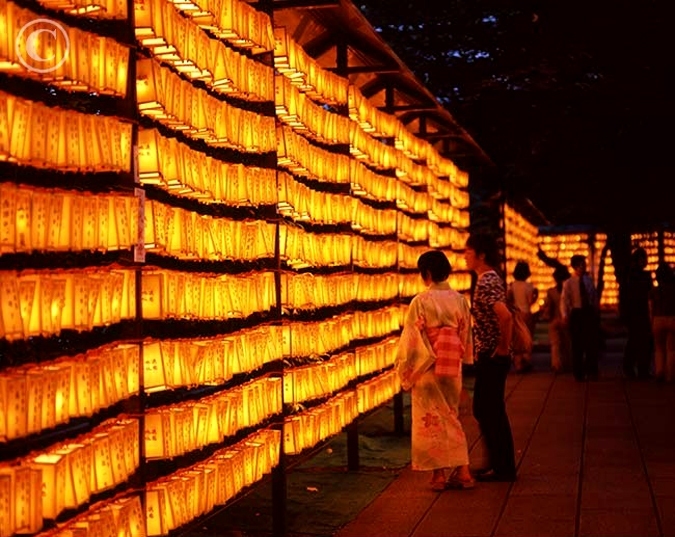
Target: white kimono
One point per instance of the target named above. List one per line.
(438, 439)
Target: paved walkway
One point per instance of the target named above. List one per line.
(594, 459)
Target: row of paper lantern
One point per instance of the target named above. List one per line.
(36, 219)
(307, 291)
(378, 187)
(519, 225)
(650, 243)
(68, 474)
(371, 221)
(183, 171)
(610, 292)
(383, 125)
(67, 57)
(97, 9)
(291, 60)
(195, 490)
(303, 115)
(297, 155)
(166, 161)
(173, 294)
(301, 203)
(188, 235)
(375, 357)
(180, 428)
(306, 205)
(298, 111)
(361, 145)
(417, 230)
(521, 238)
(308, 428)
(234, 21)
(170, 294)
(319, 379)
(160, 27)
(323, 378)
(412, 284)
(373, 152)
(164, 96)
(179, 363)
(669, 246)
(44, 303)
(36, 397)
(56, 220)
(306, 339)
(95, 462)
(81, 472)
(563, 246)
(377, 391)
(61, 139)
(120, 517)
(179, 169)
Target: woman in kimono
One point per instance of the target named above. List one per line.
(435, 341)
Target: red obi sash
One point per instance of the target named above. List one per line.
(448, 349)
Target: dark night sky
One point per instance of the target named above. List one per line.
(572, 99)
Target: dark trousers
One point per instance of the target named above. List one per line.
(489, 409)
(585, 338)
(639, 348)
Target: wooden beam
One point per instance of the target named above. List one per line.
(411, 107)
(296, 4)
(440, 135)
(320, 45)
(380, 69)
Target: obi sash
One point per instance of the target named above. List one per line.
(449, 350)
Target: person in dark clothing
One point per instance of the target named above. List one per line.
(639, 345)
(492, 346)
(579, 309)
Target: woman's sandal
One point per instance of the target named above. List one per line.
(438, 485)
(454, 482)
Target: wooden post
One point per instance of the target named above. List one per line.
(353, 446)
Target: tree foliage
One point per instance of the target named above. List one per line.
(572, 100)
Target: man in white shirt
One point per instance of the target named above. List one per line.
(579, 307)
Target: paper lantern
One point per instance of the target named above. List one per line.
(20, 500)
(54, 469)
(102, 477)
(147, 91)
(76, 486)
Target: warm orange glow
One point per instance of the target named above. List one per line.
(76, 60)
